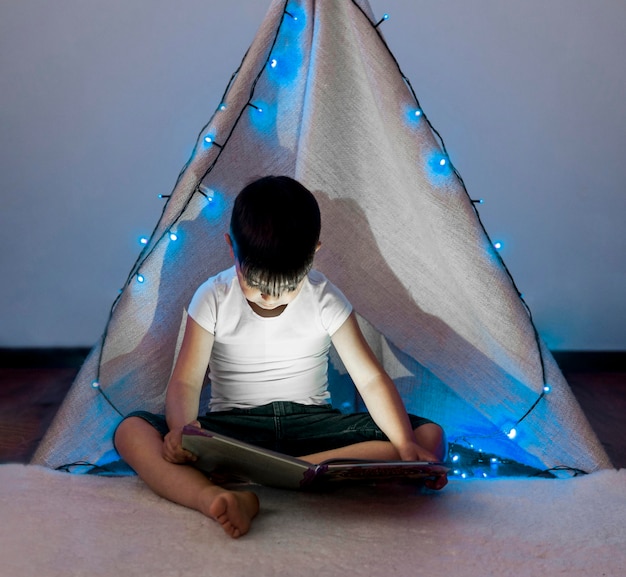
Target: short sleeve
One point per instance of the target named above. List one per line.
(203, 306)
(335, 307)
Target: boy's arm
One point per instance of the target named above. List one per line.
(184, 388)
(377, 390)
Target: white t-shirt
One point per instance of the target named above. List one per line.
(257, 360)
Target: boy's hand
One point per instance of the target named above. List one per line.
(173, 451)
(413, 452)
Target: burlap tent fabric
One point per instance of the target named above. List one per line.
(319, 97)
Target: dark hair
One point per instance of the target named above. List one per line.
(275, 228)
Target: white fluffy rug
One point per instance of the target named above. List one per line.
(60, 524)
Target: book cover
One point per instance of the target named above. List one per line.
(224, 455)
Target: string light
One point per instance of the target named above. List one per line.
(439, 167)
(385, 17)
(140, 278)
(497, 245)
(210, 141)
(205, 191)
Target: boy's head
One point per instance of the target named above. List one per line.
(274, 231)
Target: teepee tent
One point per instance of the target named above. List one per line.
(320, 97)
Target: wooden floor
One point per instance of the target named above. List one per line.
(29, 399)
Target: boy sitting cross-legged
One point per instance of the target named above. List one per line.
(264, 328)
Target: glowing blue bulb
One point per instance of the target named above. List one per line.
(463, 475)
(206, 192)
(209, 139)
(263, 116)
(273, 63)
(439, 166)
(223, 106)
(95, 385)
(494, 460)
(455, 458)
(296, 21)
(497, 245)
(413, 115)
(140, 278)
(512, 433)
(143, 240)
(173, 236)
(547, 388)
(385, 17)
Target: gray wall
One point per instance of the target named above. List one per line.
(101, 103)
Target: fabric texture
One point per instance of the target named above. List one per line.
(258, 360)
(320, 97)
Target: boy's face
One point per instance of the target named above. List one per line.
(266, 302)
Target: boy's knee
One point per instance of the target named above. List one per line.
(432, 437)
(126, 431)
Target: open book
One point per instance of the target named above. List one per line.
(223, 455)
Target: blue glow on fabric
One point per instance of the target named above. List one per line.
(262, 116)
(294, 20)
(413, 115)
(285, 62)
(287, 57)
(215, 207)
(438, 168)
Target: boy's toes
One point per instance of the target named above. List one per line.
(234, 512)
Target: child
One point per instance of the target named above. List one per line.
(264, 327)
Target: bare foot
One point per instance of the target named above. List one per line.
(233, 510)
